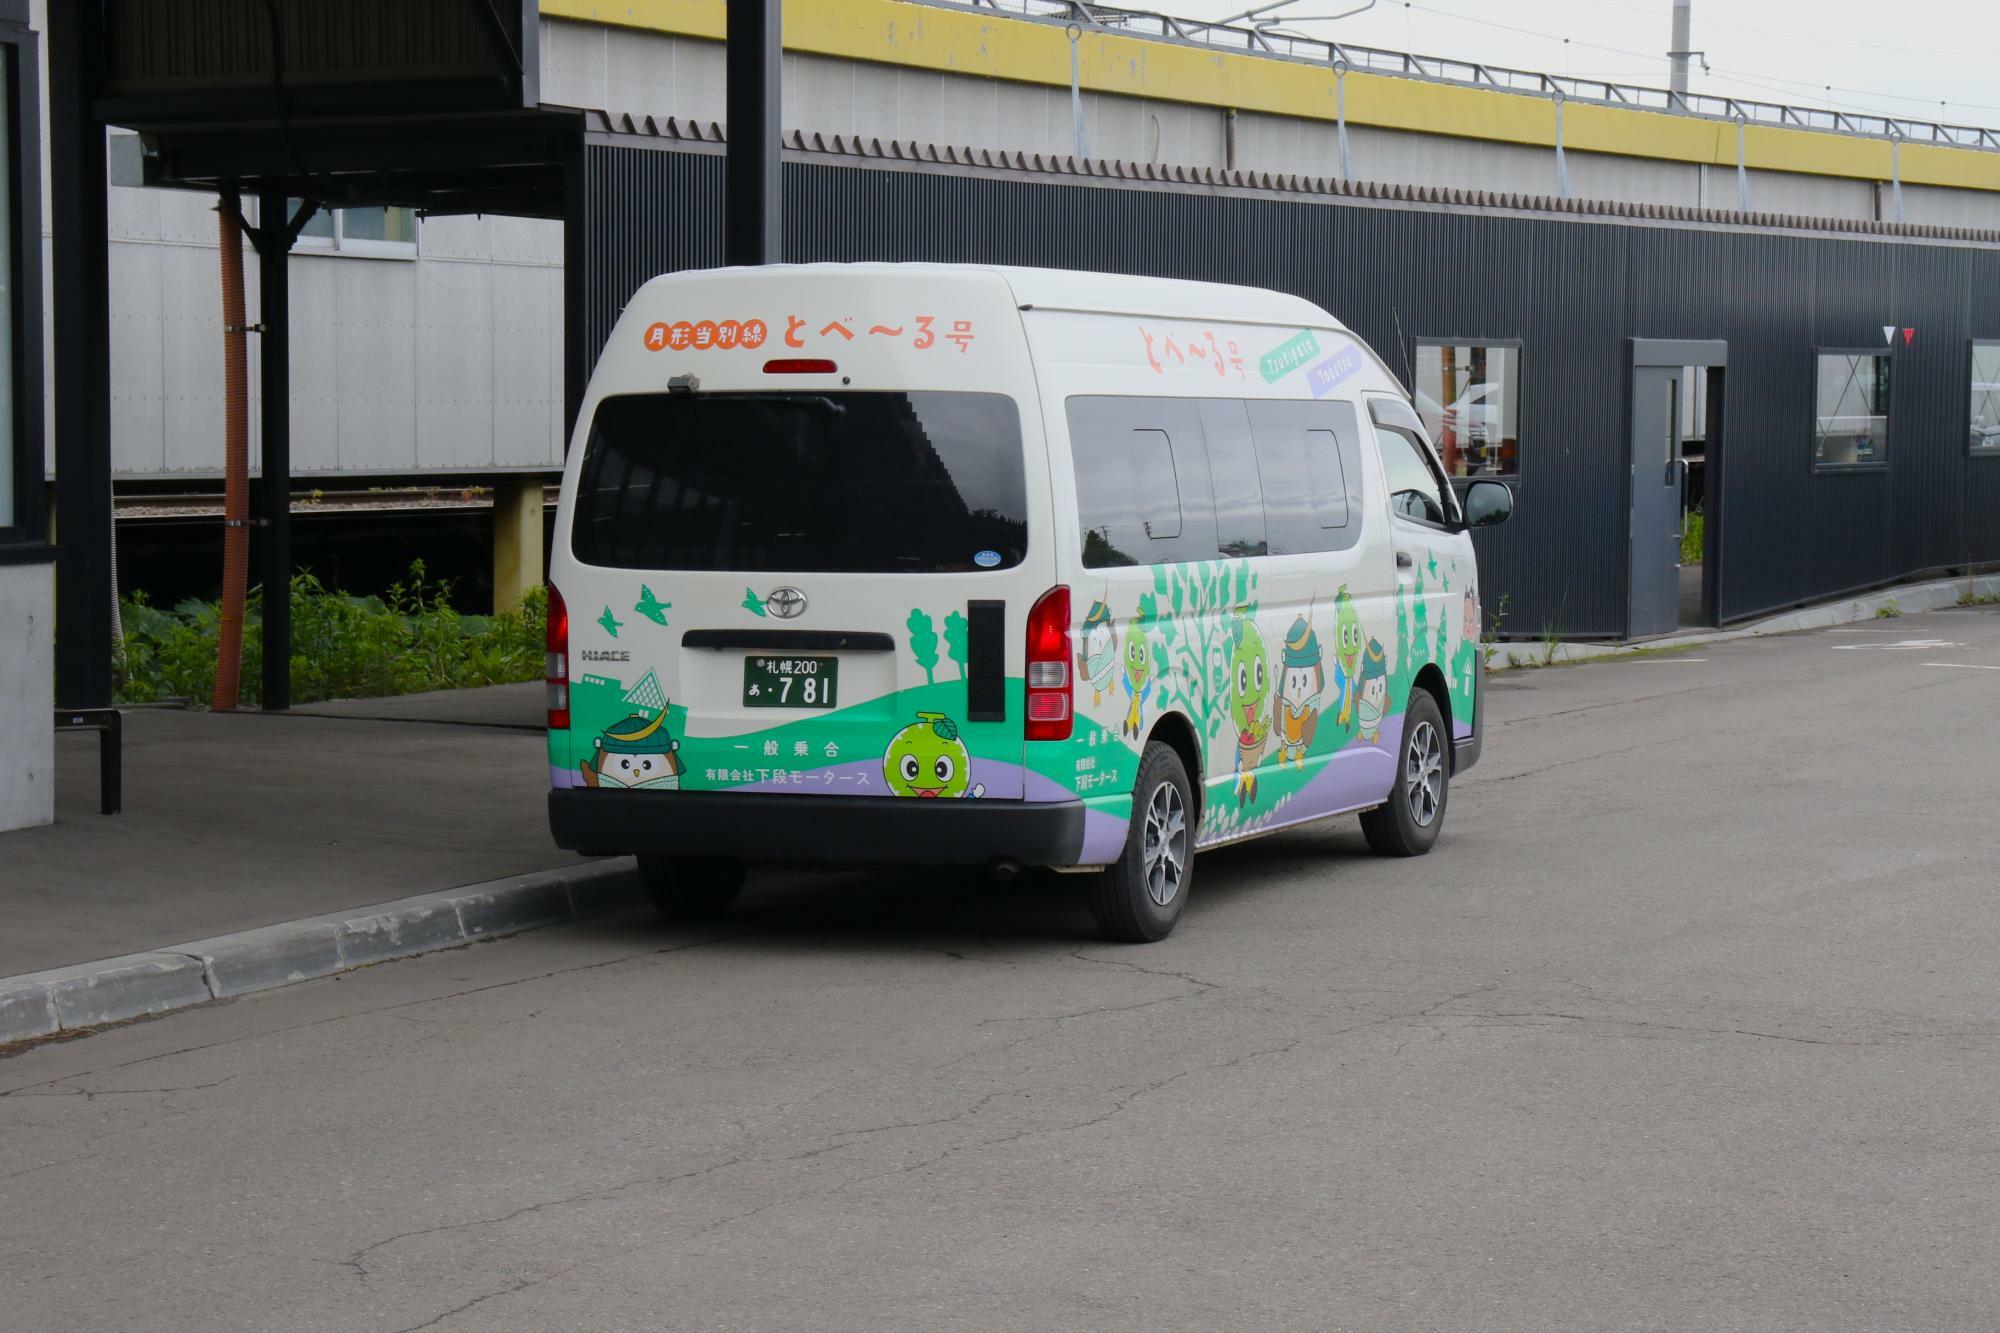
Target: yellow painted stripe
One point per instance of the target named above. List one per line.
(988, 45)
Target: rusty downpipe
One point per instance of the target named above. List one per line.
(236, 483)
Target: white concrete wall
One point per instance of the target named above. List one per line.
(27, 697)
(450, 360)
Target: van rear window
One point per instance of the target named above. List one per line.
(859, 483)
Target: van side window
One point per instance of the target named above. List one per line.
(1306, 452)
(1141, 481)
(1414, 491)
(1329, 480)
(1235, 479)
(1159, 488)
(1333, 457)
(1176, 480)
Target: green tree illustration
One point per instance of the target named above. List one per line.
(923, 643)
(1195, 639)
(954, 642)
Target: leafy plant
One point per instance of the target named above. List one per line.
(1889, 610)
(1551, 642)
(1693, 536)
(343, 647)
(1979, 598)
(1489, 643)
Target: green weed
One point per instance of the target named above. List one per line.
(343, 647)
(1489, 642)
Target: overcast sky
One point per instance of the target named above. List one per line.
(1927, 59)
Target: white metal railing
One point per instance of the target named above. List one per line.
(1443, 69)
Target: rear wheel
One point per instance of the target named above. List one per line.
(1408, 823)
(1139, 898)
(692, 888)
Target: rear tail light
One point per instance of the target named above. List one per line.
(557, 673)
(1051, 716)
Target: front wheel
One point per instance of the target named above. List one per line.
(1139, 897)
(1408, 823)
(692, 888)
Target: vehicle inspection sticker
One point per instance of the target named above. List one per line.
(986, 559)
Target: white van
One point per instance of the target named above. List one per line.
(999, 567)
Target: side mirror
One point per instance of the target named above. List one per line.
(1488, 503)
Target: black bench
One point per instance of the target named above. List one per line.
(109, 724)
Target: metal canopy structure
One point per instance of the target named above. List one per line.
(337, 103)
(310, 104)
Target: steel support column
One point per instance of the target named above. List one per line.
(80, 251)
(518, 557)
(753, 222)
(576, 324)
(274, 249)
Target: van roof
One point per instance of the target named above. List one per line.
(1082, 290)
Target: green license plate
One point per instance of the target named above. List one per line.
(790, 682)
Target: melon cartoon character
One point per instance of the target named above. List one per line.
(1346, 653)
(1295, 716)
(637, 753)
(1374, 691)
(1249, 705)
(1138, 677)
(927, 759)
(1099, 657)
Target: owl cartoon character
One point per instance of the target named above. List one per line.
(637, 753)
(1295, 714)
(1099, 658)
(1346, 653)
(1138, 677)
(1249, 700)
(1374, 700)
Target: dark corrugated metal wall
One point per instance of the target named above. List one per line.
(1572, 291)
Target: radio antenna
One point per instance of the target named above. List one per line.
(1403, 350)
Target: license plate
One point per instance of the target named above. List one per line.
(790, 682)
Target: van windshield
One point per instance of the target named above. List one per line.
(862, 483)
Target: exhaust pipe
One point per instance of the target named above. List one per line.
(1004, 870)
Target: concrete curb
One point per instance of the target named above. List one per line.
(1937, 595)
(110, 990)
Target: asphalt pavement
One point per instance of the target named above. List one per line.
(1691, 1021)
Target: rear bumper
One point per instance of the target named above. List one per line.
(868, 830)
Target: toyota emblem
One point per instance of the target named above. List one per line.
(786, 603)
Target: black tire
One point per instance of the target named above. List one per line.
(1126, 898)
(1423, 784)
(692, 888)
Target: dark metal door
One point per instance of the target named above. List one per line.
(1656, 501)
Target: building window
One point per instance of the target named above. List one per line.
(1851, 415)
(1468, 395)
(380, 233)
(1985, 418)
